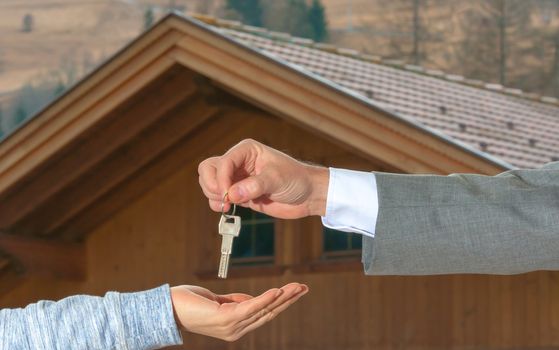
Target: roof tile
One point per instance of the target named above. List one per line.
(469, 111)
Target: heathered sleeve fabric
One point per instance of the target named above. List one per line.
(142, 320)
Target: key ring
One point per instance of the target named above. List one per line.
(223, 205)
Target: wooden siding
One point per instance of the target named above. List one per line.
(168, 235)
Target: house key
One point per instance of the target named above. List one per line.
(229, 228)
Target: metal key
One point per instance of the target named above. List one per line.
(229, 228)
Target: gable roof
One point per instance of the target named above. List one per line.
(172, 41)
(145, 112)
(520, 129)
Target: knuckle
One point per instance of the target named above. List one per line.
(201, 166)
(247, 141)
(205, 163)
(251, 144)
(223, 164)
(255, 186)
(230, 338)
(264, 312)
(227, 338)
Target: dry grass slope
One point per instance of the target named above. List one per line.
(67, 36)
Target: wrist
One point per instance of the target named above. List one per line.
(319, 178)
(174, 298)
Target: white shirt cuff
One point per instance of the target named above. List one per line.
(352, 203)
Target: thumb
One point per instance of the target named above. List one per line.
(252, 187)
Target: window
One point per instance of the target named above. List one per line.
(255, 244)
(341, 244)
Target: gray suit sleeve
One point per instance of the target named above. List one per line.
(465, 223)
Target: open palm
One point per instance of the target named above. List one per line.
(230, 316)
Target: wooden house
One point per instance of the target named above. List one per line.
(100, 192)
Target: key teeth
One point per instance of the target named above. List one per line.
(223, 266)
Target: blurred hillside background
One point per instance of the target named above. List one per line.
(48, 45)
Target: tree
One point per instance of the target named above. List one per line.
(499, 35)
(204, 6)
(20, 114)
(529, 49)
(59, 89)
(250, 11)
(172, 6)
(502, 23)
(1, 61)
(409, 30)
(295, 17)
(479, 54)
(416, 31)
(317, 20)
(1, 122)
(149, 17)
(31, 99)
(552, 84)
(290, 16)
(27, 23)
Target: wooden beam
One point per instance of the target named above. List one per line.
(116, 169)
(85, 105)
(213, 136)
(307, 107)
(118, 128)
(46, 257)
(320, 107)
(112, 74)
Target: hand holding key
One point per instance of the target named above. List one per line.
(265, 180)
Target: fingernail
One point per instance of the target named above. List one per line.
(239, 193)
(279, 292)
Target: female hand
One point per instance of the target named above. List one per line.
(230, 316)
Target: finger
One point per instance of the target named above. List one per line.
(224, 174)
(237, 160)
(253, 187)
(234, 298)
(291, 291)
(264, 318)
(216, 206)
(208, 177)
(282, 307)
(250, 307)
(207, 191)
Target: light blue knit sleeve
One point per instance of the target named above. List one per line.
(142, 320)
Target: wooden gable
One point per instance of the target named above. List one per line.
(99, 192)
(109, 138)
